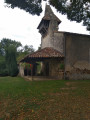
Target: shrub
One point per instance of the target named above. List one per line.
(62, 66)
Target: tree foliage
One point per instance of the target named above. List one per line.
(8, 50)
(6, 43)
(11, 52)
(76, 10)
(3, 70)
(31, 6)
(11, 62)
(28, 49)
(25, 50)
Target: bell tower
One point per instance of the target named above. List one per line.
(48, 25)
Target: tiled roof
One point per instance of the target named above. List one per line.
(47, 52)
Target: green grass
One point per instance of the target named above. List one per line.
(44, 100)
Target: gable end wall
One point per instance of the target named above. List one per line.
(77, 59)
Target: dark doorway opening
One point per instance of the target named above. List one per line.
(47, 69)
(27, 72)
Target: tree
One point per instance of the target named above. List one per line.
(39, 48)
(3, 69)
(31, 6)
(25, 50)
(76, 10)
(28, 49)
(6, 43)
(8, 52)
(11, 61)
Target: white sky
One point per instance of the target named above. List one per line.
(18, 25)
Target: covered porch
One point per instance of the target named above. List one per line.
(51, 64)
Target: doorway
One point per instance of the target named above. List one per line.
(47, 69)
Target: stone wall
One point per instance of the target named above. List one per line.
(54, 40)
(58, 42)
(78, 74)
(77, 56)
(54, 68)
(46, 41)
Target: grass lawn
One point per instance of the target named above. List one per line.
(44, 100)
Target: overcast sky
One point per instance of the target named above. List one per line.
(18, 25)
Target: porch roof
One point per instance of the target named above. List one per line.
(44, 53)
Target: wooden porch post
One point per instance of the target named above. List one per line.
(32, 73)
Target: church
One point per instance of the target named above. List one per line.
(63, 55)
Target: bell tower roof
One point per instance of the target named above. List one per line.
(49, 15)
